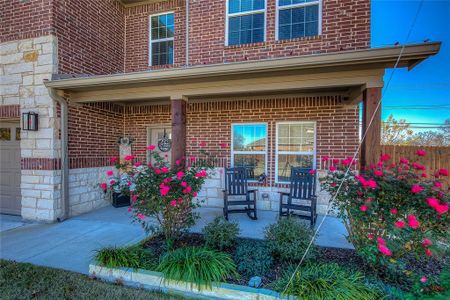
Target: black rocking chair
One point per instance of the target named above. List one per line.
(236, 185)
(303, 188)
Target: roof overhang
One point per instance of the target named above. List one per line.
(353, 69)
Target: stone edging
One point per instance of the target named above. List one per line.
(154, 281)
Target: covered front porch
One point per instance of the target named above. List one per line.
(295, 111)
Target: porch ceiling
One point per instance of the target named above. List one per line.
(351, 71)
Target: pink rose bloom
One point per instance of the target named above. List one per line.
(332, 168)
(192, 158)
(184, 184)
(415, 188)
(426, 242)
(384, 250)
(424, 175)
(404, 161)
(201, 173)
(194, 194)
(378, 173)
(128, 157)
(137, 164)
(335, 161)
(443, 172)
(372, 183)
(423, 279)
(140, 216)
(380, 241)
(164, 190)
(164, 170)
(438, 184)
(413, 222)
(180, 175)
(130, 209)
(109, 173)
(428, 252)
(104, 186)
(157, 171)
(325, 158)
(223, 145)
(312, 172)
(370, 236)
(441, 208)
(173, 203)
(151, 147)
(363, 208)
(187, 190)
(399, 224)
(346, 162)
(112, 182)
(385, 157)
(432, 202)
(134, 198)
(421, 152)
(177, 162)
(394, 211)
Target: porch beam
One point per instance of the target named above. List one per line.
(370, 147)
(178, 109)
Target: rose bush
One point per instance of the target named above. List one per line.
(392, 210)
(162, 192)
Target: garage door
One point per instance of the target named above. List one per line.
(10, 168)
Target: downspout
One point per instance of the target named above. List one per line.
(64, 153)
(187, 34)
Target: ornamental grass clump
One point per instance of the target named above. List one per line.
(288, 239)
(197, 265)
(131, 257)
(325, 281)
(392, 211)
(220, 233)
(160, 192)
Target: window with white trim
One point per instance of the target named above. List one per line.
(245, 21)
(161, 39)
(298, 18)
(295, 147)
(249, 148)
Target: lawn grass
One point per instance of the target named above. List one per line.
(26, 281)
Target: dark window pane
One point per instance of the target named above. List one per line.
(155, 33)
(286, 161)
(249, 137)
(233, 38)
(234, 6)
(311, 29)
(234, 24)
(290, 2)
(258, 35)
(246, 22)
(284, 32)
(312, 13)
(258, 21)
(246, 29)
(170, 31)
(285, 16)
(255, 163)
(298, 15)
(170, 19)
(245, 37)
(162, 53)
(298, 30)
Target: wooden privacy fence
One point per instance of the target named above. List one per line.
(435, 159)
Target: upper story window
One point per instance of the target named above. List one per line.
(161, 39)
(245, 21)
(298, 18)
(249, 148)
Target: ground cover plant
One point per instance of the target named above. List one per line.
(26, 281)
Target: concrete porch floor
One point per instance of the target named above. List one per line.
(71, 245)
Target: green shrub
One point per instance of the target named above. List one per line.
(197, 265)
(132, 257)
(252, 258)
(288, 239)
(325, 281)
(220, 233)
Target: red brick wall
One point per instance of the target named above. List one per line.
(137, 34)
(25, 19)
(90, 36)
(210, 122)
(345, 26)
(93, 133)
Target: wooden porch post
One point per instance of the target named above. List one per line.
(178, 129)
(370, 148)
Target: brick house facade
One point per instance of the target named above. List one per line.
(96, 56)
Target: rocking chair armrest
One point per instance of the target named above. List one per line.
(284, 193)
(253, 191)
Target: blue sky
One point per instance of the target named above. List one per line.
(429, 82)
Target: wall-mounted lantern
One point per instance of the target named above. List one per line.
(30, 121)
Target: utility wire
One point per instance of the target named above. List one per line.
(355, 154)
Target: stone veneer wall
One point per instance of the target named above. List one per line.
(24, 65)
(211, 194)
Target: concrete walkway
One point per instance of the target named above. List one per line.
(71, 245)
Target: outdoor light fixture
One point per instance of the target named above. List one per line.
(30, 121)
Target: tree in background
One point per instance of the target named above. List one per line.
(400, 133)
(396, 132)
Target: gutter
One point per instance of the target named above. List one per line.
(187, 35)
(64, 153)
(384, 57)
